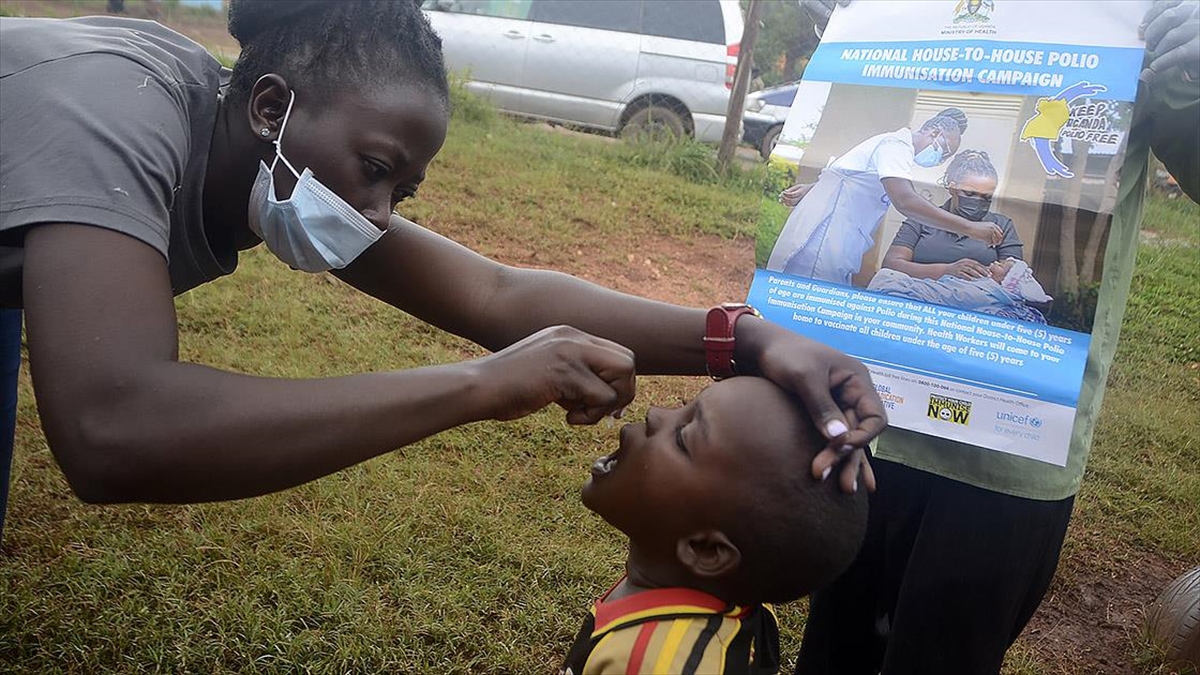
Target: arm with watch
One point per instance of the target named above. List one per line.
(498, 306)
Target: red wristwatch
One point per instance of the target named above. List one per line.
(718, 338)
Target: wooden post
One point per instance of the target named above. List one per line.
(741, 82)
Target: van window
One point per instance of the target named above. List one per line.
(508, 9)
(698, 20)
(621, 15)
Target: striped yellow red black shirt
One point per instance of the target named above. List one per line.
(674, 631)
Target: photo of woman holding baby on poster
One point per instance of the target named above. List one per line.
(932, 265)
(835, 219)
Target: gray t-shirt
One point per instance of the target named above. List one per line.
(932, 245)
(107, 121)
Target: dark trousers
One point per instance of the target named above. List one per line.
(10, 364)
(947, 578)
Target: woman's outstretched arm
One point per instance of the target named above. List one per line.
(127, 421)
(467, 294)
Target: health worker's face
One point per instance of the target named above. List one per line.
(945, 142)
(371, 149)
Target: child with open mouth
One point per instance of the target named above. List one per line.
(723, 515)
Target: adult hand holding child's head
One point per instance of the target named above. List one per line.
(855, 468)
(835, 388)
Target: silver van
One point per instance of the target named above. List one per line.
(615, 65)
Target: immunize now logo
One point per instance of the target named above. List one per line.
(946, 409)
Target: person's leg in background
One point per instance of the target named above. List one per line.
(947, 579)
(847, 628)
(10, 365)
(979, 567)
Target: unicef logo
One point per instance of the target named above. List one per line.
(1022, 419)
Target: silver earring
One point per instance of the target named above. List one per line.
(266, 131)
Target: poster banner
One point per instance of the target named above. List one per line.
(945, 179)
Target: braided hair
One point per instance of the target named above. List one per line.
(968, 163)
(942, 123)
(957, 115)
(324, 46)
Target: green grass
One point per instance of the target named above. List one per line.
(1145, 474)
(470, 551)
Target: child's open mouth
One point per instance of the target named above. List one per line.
(607, 463)
(604, 465)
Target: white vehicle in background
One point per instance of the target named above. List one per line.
(622, 66)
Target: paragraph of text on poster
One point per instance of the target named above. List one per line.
(1005, 354)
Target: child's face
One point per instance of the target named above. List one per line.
(1000, 268)
(668, 475)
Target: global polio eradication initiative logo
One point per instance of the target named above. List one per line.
(946, 409)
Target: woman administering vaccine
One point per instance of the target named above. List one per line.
(929, 253)
(834, 221)
(134, 168)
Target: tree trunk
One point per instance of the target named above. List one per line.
(741, 82)
(1092, 252)
(1069, 269)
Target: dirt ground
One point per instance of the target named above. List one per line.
(1094, 613)
(206, 28)
(1089, 619)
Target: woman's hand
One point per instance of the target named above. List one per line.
(587, 376)
(856, 470)
(836, 389)
(819, 11)
(1172, 33)
(792, 196)
(966, 268)
(987, 232)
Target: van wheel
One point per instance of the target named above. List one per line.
(767, 145)
(654, 122)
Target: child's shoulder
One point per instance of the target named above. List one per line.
(672, 630)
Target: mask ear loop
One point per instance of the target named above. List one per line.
(279, 140)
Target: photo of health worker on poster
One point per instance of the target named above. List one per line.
(944, 211)
(833, 221)
(937, 210)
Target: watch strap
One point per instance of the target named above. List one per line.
(719, 342)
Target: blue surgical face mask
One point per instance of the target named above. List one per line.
(313, 230)
(932, 155)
